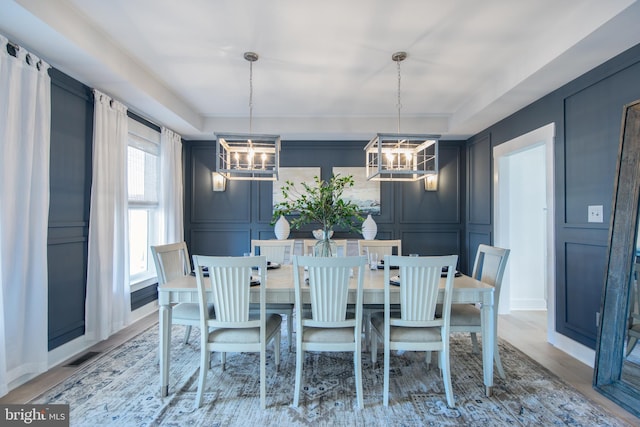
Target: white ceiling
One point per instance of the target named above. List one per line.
(325, 69)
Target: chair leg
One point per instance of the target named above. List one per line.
(187, 332)
(474, 342)
(357, 365)
(631, 343)
(428, 358)
(374, 346)
(385, 389)
(367, 329)
(277, 350)
(299, 362)
(290, 329)
(496, 357)
(263, 375)
(446, 377)
(204, 364)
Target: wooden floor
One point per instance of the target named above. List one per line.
(526, 330)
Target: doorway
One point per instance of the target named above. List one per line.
(524, 222)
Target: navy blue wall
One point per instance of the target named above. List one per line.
(224, 223)
(70, 186)
(587, 113)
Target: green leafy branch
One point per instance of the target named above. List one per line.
(321, 203)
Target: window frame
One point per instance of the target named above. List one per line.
(146, 139)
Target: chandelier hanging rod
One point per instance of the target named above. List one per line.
(398, 57)
(251, 57)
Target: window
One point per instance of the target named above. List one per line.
(143, 169)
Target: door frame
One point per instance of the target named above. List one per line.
(543, 135)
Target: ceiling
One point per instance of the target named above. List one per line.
(325, 70)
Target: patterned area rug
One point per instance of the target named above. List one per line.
(121, 388)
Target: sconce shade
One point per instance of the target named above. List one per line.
(401, 157)
(248, 156)
(431, 183)
(219, 181)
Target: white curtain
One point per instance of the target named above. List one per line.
(108, 304)
(25, 120)
(171, 184)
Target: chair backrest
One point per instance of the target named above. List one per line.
(489, 267)
(381, 247)
(419, 287)
(279, 251)
(328, 285)
(229, 281)
(309, 244)
(172, 261)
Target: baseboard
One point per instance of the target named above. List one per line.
(71, 349)
(144, 311)
(574, 349)
(74, 347)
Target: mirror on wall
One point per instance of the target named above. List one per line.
(617, 366)
(631, 356)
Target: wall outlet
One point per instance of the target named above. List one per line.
(595, 213)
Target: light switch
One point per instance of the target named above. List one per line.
(595, 213)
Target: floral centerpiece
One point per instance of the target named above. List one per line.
(320, 203)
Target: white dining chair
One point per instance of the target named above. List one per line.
(278, 251)
(380, 247)
(326, 325)
(376, 250)
(281, 252)
(172, 261)
(309, 245)
(415, 327)
(488, 267)
(234, 329)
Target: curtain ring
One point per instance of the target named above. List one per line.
(12, 49)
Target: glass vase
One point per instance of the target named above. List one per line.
(325, 246)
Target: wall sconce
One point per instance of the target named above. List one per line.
(219, 181)
(431, 183)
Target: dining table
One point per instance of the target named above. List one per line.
(280, 290)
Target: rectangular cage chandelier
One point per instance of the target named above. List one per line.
(248, 157)
(401, 157)
(241, 156)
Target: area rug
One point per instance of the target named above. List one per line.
(121, 388)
